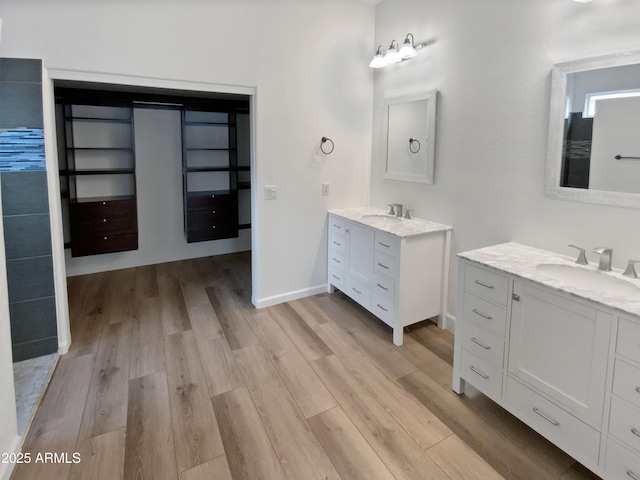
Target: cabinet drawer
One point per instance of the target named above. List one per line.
(629, 339)
(620, 463)
(358, 292)
(337, 242)
(485, 284)
(483, 343)
(481, 374)
(626, 382)
(386, 243)
(385, 265)
(104, 244)
(489, 315)
(553, 422)
(336, 278)
(209, 202)
(384, 287)
(205, 219)
(336, 225)
(624, 423)
(89, 211)
(382, 307)
(211, 232)
(336, 260)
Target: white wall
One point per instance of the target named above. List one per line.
(307, 60)
(491, 61)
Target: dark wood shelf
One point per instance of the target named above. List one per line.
(109, 171)
(113, 198)
(119, 149)
(244, 185)
(208, 169)
(203, 124)
(244, 226)
(211, 149)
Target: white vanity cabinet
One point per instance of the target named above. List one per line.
(566, 365)
(399, 278)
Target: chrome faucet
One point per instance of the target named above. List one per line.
(398, 209)
(582, 258)
(605, 258)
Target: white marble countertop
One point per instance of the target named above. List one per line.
(522, 261)
(381, 220)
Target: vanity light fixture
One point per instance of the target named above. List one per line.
(378, 60)
(393, 55)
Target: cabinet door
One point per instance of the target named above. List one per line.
(560, 347)
(360, 258)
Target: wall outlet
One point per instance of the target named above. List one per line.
(325, 189)
(271, 192)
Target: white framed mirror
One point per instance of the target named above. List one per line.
(410, 125)
(593, 152)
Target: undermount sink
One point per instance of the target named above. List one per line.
(381, 218)
(589, 279)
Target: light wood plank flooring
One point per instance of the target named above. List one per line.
(172, 374)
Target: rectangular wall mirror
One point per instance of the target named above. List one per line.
(594, 149)
(411, 132)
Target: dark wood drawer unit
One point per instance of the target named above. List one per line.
(103, 227)
(211, 217)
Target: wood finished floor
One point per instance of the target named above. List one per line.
(172, 374)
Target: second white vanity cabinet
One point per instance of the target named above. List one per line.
(395, 268)
(563, 360)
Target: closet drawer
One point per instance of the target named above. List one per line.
(107, 225)
(358, 292)
(483, 343)
(552, 421)
(104, 244)
(487, 285)
(382, 307)
(336, 278)
(620, 463)
(209, 202)
(481, 374)
(89, 211)
(386, 243)
(385, 265)
(624, 423)
(629, 339)
(383, 287)
(489, 315)
(626, 382)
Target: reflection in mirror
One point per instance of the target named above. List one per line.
(594, 149)
(410, 127)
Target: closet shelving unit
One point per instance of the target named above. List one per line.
(210, 175)
(98, 178)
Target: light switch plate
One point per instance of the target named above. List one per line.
(271, 192)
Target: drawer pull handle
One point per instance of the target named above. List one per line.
(336, 277)
(336, 260)
(336, 243)
(385, 246)
(381, 307)
(356, 290)
(553, 422)
(213, 226)
(105, 238)
(383, 266)
(213, 211)
(213, 196)
(633, 475)
(491, 287)
(478, 342)
(483, 315)
(638, 389)
(104, 220)
(635, 431)
(337, 226)
(382, 287)
(104, 203)
(478, 372)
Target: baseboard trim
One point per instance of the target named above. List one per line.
(449, 323)
(289, 296)
(6, 469)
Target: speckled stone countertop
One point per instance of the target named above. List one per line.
(381, 220)
(522, 261)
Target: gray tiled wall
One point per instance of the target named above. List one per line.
(25, 210)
